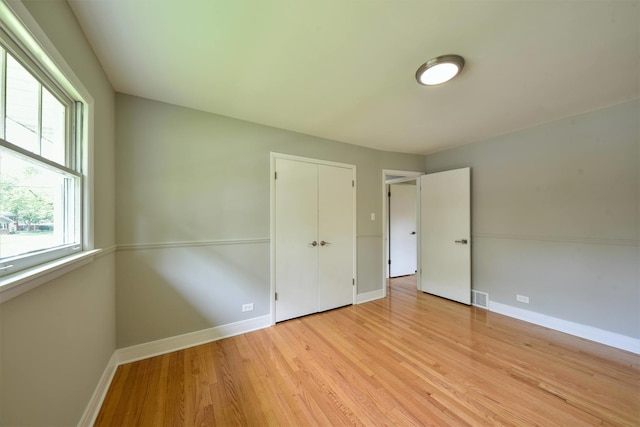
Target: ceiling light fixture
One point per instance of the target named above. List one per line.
(439, 70)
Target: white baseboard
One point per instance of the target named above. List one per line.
(369, 296)
(591, 333)
(156, 348)
(179, 342)
(95, 403)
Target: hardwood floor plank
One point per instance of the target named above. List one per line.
(408, 359)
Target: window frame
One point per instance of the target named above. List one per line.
(9, 46)
(20, 262)
(70, 167)
(21, 29)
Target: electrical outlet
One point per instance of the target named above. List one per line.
(522, 298)
(247, 307)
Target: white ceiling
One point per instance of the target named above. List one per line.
(344, 69)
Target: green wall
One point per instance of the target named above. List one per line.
(555, 216)
(56, 340)
(185, 176)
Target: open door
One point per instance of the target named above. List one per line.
(445, 234)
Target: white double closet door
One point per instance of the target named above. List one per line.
(314, 237)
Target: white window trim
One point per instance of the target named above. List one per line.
(25, 280)
(16, 20)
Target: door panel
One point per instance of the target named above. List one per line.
(445, 217)
(402, 215)
(335, 195)
(296, 223)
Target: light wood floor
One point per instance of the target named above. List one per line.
(409, 359)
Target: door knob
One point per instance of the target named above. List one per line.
(322, 243)
(314, 243)
(463, 241)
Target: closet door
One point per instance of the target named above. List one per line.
(296, 230)
(335, 231)
(314, 237)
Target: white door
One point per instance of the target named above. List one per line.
(445, 234)
(314, 238)
(402, 230)
(335, 235)
(296, 229)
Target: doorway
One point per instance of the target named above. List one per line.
(442, 229)
(402, 226)
(389, 178)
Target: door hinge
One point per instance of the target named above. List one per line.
(353, 183)
(353, 281)
(389, 194)
(275, 175)
(276, 296)
(389, 262)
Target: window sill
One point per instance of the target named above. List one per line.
(15, 284)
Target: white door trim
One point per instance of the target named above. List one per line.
(272, 188)
(404, 176)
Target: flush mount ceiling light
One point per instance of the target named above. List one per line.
(439, 70)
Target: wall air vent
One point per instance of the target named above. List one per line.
(479, 299)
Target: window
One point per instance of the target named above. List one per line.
(40, 168)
